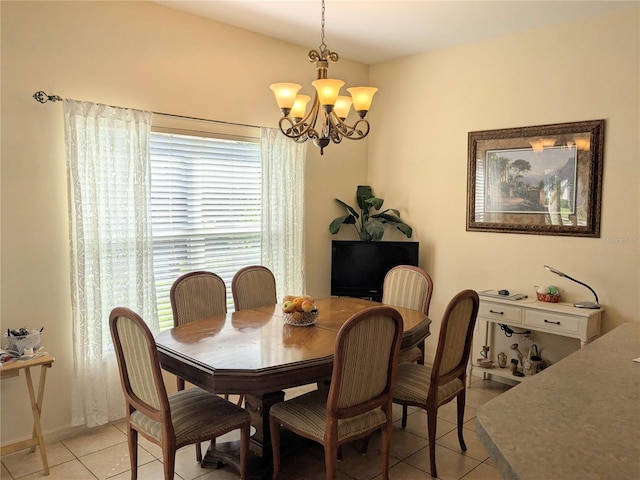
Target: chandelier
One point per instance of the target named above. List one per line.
(325, 120)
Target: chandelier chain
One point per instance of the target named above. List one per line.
(323, 46)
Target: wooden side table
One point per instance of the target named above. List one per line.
(13, 370)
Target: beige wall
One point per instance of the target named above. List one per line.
(150, 57)
(580, 71)
(138, 55)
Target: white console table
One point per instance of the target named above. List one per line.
(527, 314)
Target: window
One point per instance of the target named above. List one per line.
(205, 209)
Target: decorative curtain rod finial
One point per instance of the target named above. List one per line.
(44, 98)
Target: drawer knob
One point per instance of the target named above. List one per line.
(499, 313)
(549, 321)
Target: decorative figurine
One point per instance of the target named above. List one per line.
(518, 352)
(502, 359)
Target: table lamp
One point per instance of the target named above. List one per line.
(592, 305)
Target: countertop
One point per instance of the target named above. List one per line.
(578, 419)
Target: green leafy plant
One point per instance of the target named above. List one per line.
(370, 226)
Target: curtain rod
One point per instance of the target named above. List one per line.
(42, 97)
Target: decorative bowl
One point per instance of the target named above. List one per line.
(548, 297)
(301, 319)
(484, 362)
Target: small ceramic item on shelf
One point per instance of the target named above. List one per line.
(484, 362)
(502, 359)
(533, 362)
(514, 365)
(515, 348)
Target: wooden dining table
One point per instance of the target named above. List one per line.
(256, 354)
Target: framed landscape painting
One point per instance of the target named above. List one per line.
(544, 179)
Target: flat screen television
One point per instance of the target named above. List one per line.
(358, 268)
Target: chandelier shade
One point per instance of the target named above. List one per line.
(342, 107)
(362, 98)
(285, 95)
(328, 90)
(300, 106)
(325, 120)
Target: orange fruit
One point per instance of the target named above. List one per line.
(297, 303)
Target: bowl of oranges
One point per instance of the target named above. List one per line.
(300, 311)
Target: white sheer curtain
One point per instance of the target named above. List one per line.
(283, 162)
(107, 152)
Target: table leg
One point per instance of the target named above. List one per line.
(258, 407)
(260, 456)
(43, 376)
(35, 408)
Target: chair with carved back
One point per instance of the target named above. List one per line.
(171, 421)
(409, 287)
(429, 387)
(358, 401)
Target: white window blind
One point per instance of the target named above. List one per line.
(205, 209)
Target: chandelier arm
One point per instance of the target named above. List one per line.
(312, 117)
(352, 132)
(298, 130)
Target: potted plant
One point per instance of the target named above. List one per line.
(369, 226)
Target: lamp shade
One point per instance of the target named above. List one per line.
(300, 106)
(362, 97)
(328, 90)
(285, 94)
(342, 107)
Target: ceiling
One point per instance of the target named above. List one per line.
(380, 30)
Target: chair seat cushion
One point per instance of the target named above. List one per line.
(409, 355)
(308, 414)
(196, 414)
(412, 385)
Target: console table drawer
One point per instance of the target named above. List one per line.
(500, 313)
(552, 322)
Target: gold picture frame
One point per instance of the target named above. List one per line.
(544, 180)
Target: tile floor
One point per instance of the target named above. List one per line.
(103, 454)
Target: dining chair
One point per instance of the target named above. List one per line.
(197, 295)
(253, 286)
(194, 296)
(359, 399)
(170, 421)
(409, 287)
(429, 387)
